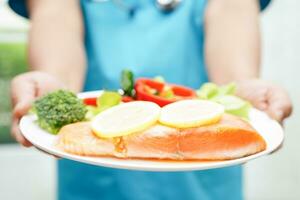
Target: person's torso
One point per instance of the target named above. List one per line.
(149, 43)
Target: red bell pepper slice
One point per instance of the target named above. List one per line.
(180, 92)
(91, 101)
(126, 99)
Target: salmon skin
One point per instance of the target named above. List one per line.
(230, 138)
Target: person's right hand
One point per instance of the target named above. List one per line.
(25, 88)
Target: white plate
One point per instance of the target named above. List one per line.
(270, 130)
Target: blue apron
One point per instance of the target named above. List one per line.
(149, 43)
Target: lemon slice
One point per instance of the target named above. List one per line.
(125, 119)
(191, 113)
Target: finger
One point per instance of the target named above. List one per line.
(279, 108)
(16, 133)
(263, 105)
(280, 105)
(22, 95)
(253, 93)
(22, 89)
(20, 109)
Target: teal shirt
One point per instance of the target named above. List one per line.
(149, 43)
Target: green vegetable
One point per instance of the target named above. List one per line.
(225, 96)
(92, 111)
(167, 93)
(227, 89)
(106, 100)
(127, 83)
(159, 79)
(150, 90)
(207, 91)
(57, 109)
(234, 105)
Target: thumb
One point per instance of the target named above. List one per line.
(22, 107)
(276, 113)
(280, 105)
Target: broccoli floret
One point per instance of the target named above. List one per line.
(57, 109)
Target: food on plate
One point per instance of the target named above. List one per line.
(106, 100)
(191, 113)
(127, 91)
(225, 95)
(160, 92)
(149, 118)
(235, 105)
(57, 109)
(127, 83)
(230, 138)
(125, 119)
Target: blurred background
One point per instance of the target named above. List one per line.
(31, 175)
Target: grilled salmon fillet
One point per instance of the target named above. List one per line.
(228, 139)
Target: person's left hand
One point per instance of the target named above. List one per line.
(267, 97)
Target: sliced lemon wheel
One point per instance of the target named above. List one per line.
(125, 119)
(191, 113)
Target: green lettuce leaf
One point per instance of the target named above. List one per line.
(107, 100)
(225, 95)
